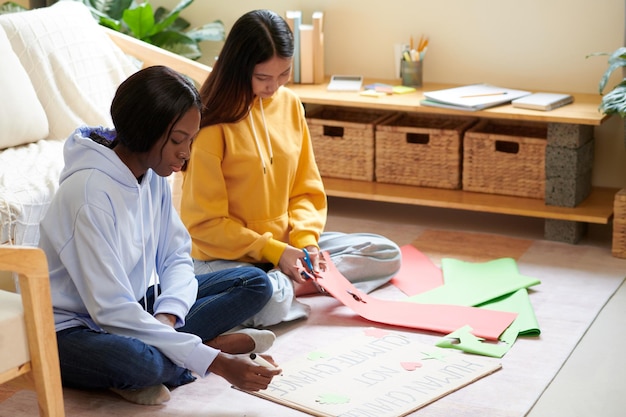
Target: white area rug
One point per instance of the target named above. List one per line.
(577, 281)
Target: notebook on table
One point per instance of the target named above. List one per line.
(543, 101)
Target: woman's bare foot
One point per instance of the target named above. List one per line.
(233, 343)
(155, 395)
(307, 288)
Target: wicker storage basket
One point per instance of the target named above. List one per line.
(502, 157)
(343, 140)
(619, 225)
(421, 149)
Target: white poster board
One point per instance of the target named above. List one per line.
(374, 373)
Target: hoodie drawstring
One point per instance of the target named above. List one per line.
(268, 142)
(143, 252)
(143, 249)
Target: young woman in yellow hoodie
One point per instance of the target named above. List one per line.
(252, 192)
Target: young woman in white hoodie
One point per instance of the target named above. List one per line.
(130, 314)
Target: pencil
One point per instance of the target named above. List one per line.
(486, 94)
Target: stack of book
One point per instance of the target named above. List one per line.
(308, 57)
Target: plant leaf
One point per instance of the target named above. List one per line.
(179, 24)
(183, 4)
(166, 19)
(213, 31)
(617, 59)
(111, 23)
(614, 102)
(113, 8)
(605, 78)
(140, 20)
(178, 43)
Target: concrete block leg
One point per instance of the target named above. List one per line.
(564, 231)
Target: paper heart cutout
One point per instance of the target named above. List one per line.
(377, 333)
(411, 366)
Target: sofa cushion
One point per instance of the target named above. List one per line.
(12, 323)
(74, 66)
(22, 117)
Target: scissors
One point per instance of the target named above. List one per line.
(312, 275)
(309, 264)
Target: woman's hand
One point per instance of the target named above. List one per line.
(293, 262)
(242, 372)
(290, 264)
(317, 260)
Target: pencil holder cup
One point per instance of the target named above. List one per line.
(411, 73)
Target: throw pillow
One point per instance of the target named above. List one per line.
(22, 118)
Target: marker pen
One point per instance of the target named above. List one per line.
(259, 360)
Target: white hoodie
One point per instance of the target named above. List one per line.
(104, 236)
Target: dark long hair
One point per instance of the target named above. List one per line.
(256, 37)
(148, 103)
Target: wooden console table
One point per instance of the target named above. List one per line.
(566, 224)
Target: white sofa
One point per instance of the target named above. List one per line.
(59, 69)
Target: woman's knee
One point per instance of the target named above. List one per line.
(282, 305)
(95, 360)
(258, 280)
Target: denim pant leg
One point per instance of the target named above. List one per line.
(98, 360)
(226, 298)
(366, 260)
(283, 305)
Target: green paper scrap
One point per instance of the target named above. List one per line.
(524, 325)
(332, 399)
(463, 339)
(315, 355)
(472, 284)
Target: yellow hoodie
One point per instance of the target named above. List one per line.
(253, 186)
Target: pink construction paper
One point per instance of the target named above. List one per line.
(440, 318)
(417, 273)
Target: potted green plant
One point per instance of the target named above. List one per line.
(160, 27)
(614, 102)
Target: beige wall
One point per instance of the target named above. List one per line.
(531, 44)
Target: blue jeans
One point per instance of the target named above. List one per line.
(99, 360)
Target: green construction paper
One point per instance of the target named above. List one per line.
(526, 322)
(463, 339)
(472, 284)
(524, 325)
